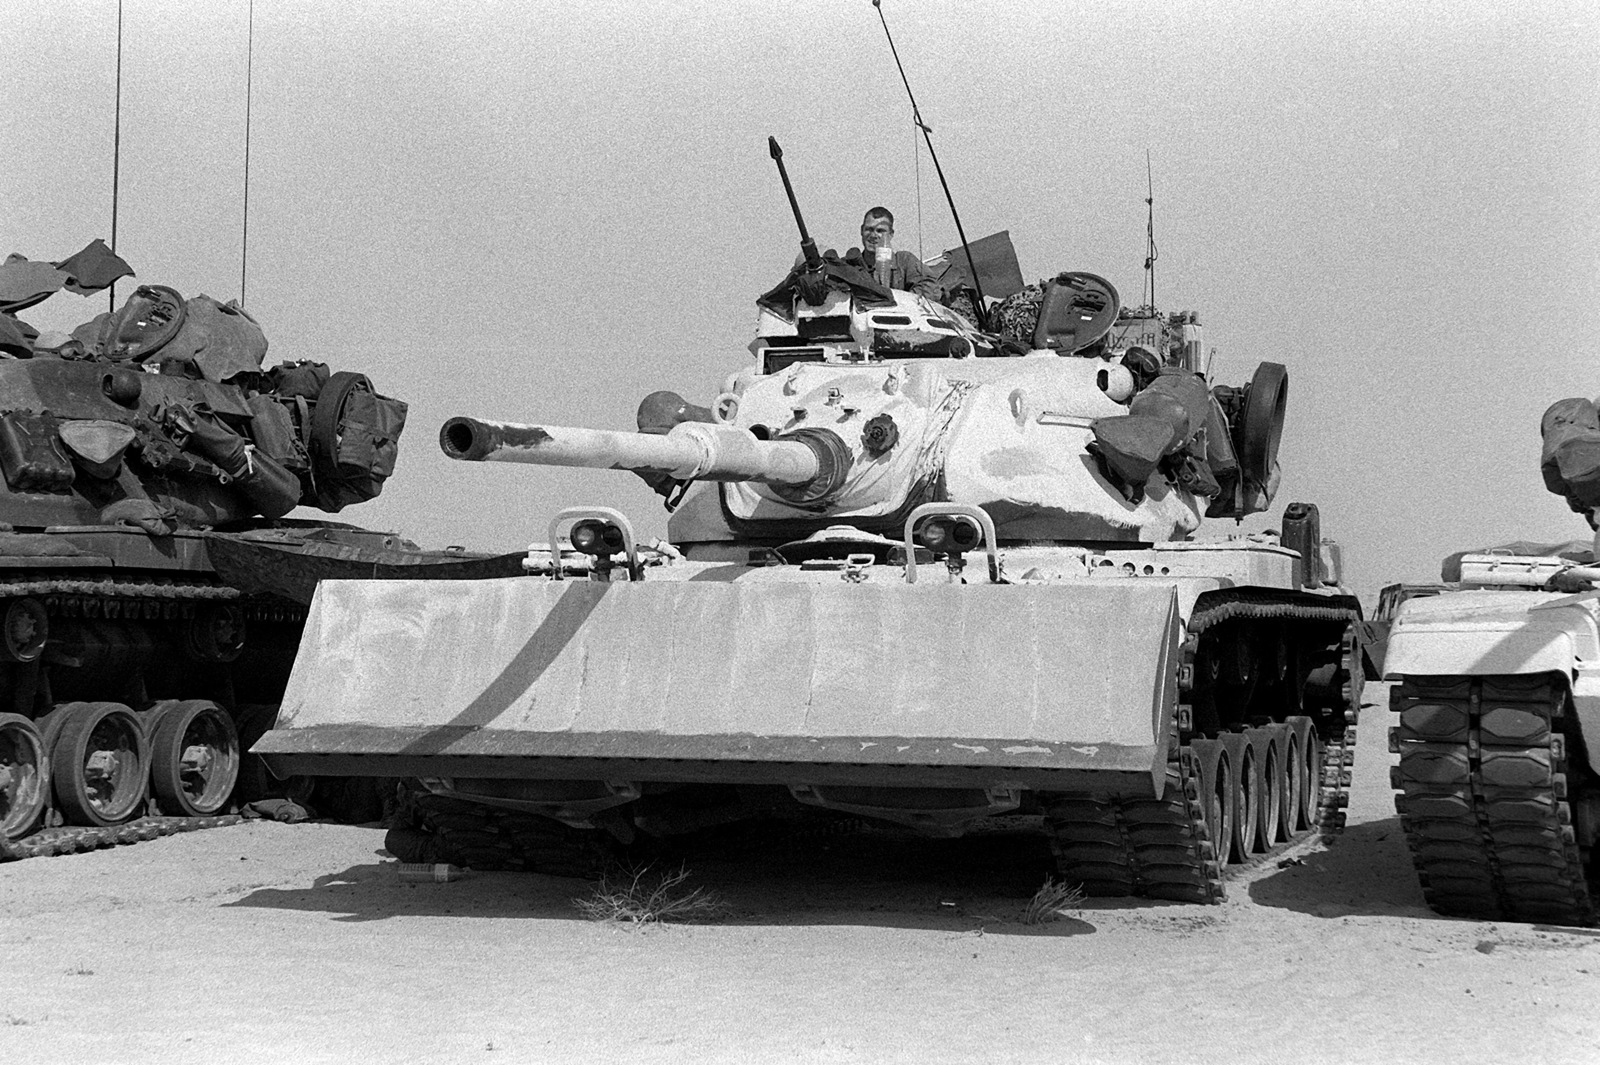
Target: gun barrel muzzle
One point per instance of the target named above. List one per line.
(689, 451)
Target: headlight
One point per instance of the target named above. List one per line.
(949, 534)
(596, 538)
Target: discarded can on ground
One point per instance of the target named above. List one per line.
(430, 872)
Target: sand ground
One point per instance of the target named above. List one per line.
(279, 943)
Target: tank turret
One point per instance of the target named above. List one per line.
(1074, 420)
(162, 414)
(154, 589)
(857, 411)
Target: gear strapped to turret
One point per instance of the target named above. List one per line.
(212, 436)
(1570, 458)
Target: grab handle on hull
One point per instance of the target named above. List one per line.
(976, 513)
(574, 514)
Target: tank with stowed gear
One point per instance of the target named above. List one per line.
(151, 590)
(918, 573)
(1497, 697)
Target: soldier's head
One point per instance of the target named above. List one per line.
(877, 228)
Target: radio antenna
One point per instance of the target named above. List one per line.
(916, 117)
(116, 154)
(244, 239)
(1150, 254)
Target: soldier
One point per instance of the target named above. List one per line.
(896, 269)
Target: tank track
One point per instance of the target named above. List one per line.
(1339, 747)
(438, 828)
(115, 587)
(1158, 848)
(158, 600)
(112, 598)
(1338, 729)
(72, 840)
(1161, 848)
(1481, 790)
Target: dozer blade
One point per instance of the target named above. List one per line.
(1058, 687)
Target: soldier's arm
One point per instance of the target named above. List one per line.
(918, 279)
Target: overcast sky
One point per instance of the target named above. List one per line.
(543, 211)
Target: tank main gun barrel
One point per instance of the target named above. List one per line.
(811, 462)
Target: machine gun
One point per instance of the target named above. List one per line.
(808, 247)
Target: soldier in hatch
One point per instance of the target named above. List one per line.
(896, 269)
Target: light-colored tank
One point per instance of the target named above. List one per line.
(1498, 697)
(813, 642)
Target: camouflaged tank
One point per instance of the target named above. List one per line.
(152, 593)
(918, 574)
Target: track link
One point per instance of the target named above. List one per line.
(73, 839)
(1161, 848)
(1482, 795)
(1338, 762)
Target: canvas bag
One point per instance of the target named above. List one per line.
(355, 439)
(345, 435)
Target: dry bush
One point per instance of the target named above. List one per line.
(642, 895)
(1052, 901)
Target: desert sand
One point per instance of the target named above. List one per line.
(265, 942)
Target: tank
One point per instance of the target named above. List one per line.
(152, 591)
(919, 576)
(1497, 695)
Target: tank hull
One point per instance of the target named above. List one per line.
(601, 707)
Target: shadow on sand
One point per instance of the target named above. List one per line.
(983, 881)
(967, 885)
(1366, 870)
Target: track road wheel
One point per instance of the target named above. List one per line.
(1269, 785)
(1294, 771)
(1308, 791)
(1218, 796)
(194, 758)
(100, 764)
(24, 776)
(1247, 800)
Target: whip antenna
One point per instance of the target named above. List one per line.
(1150, 254)
(116, 153)
(244, 239)
(916, 159)
(916, 117)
